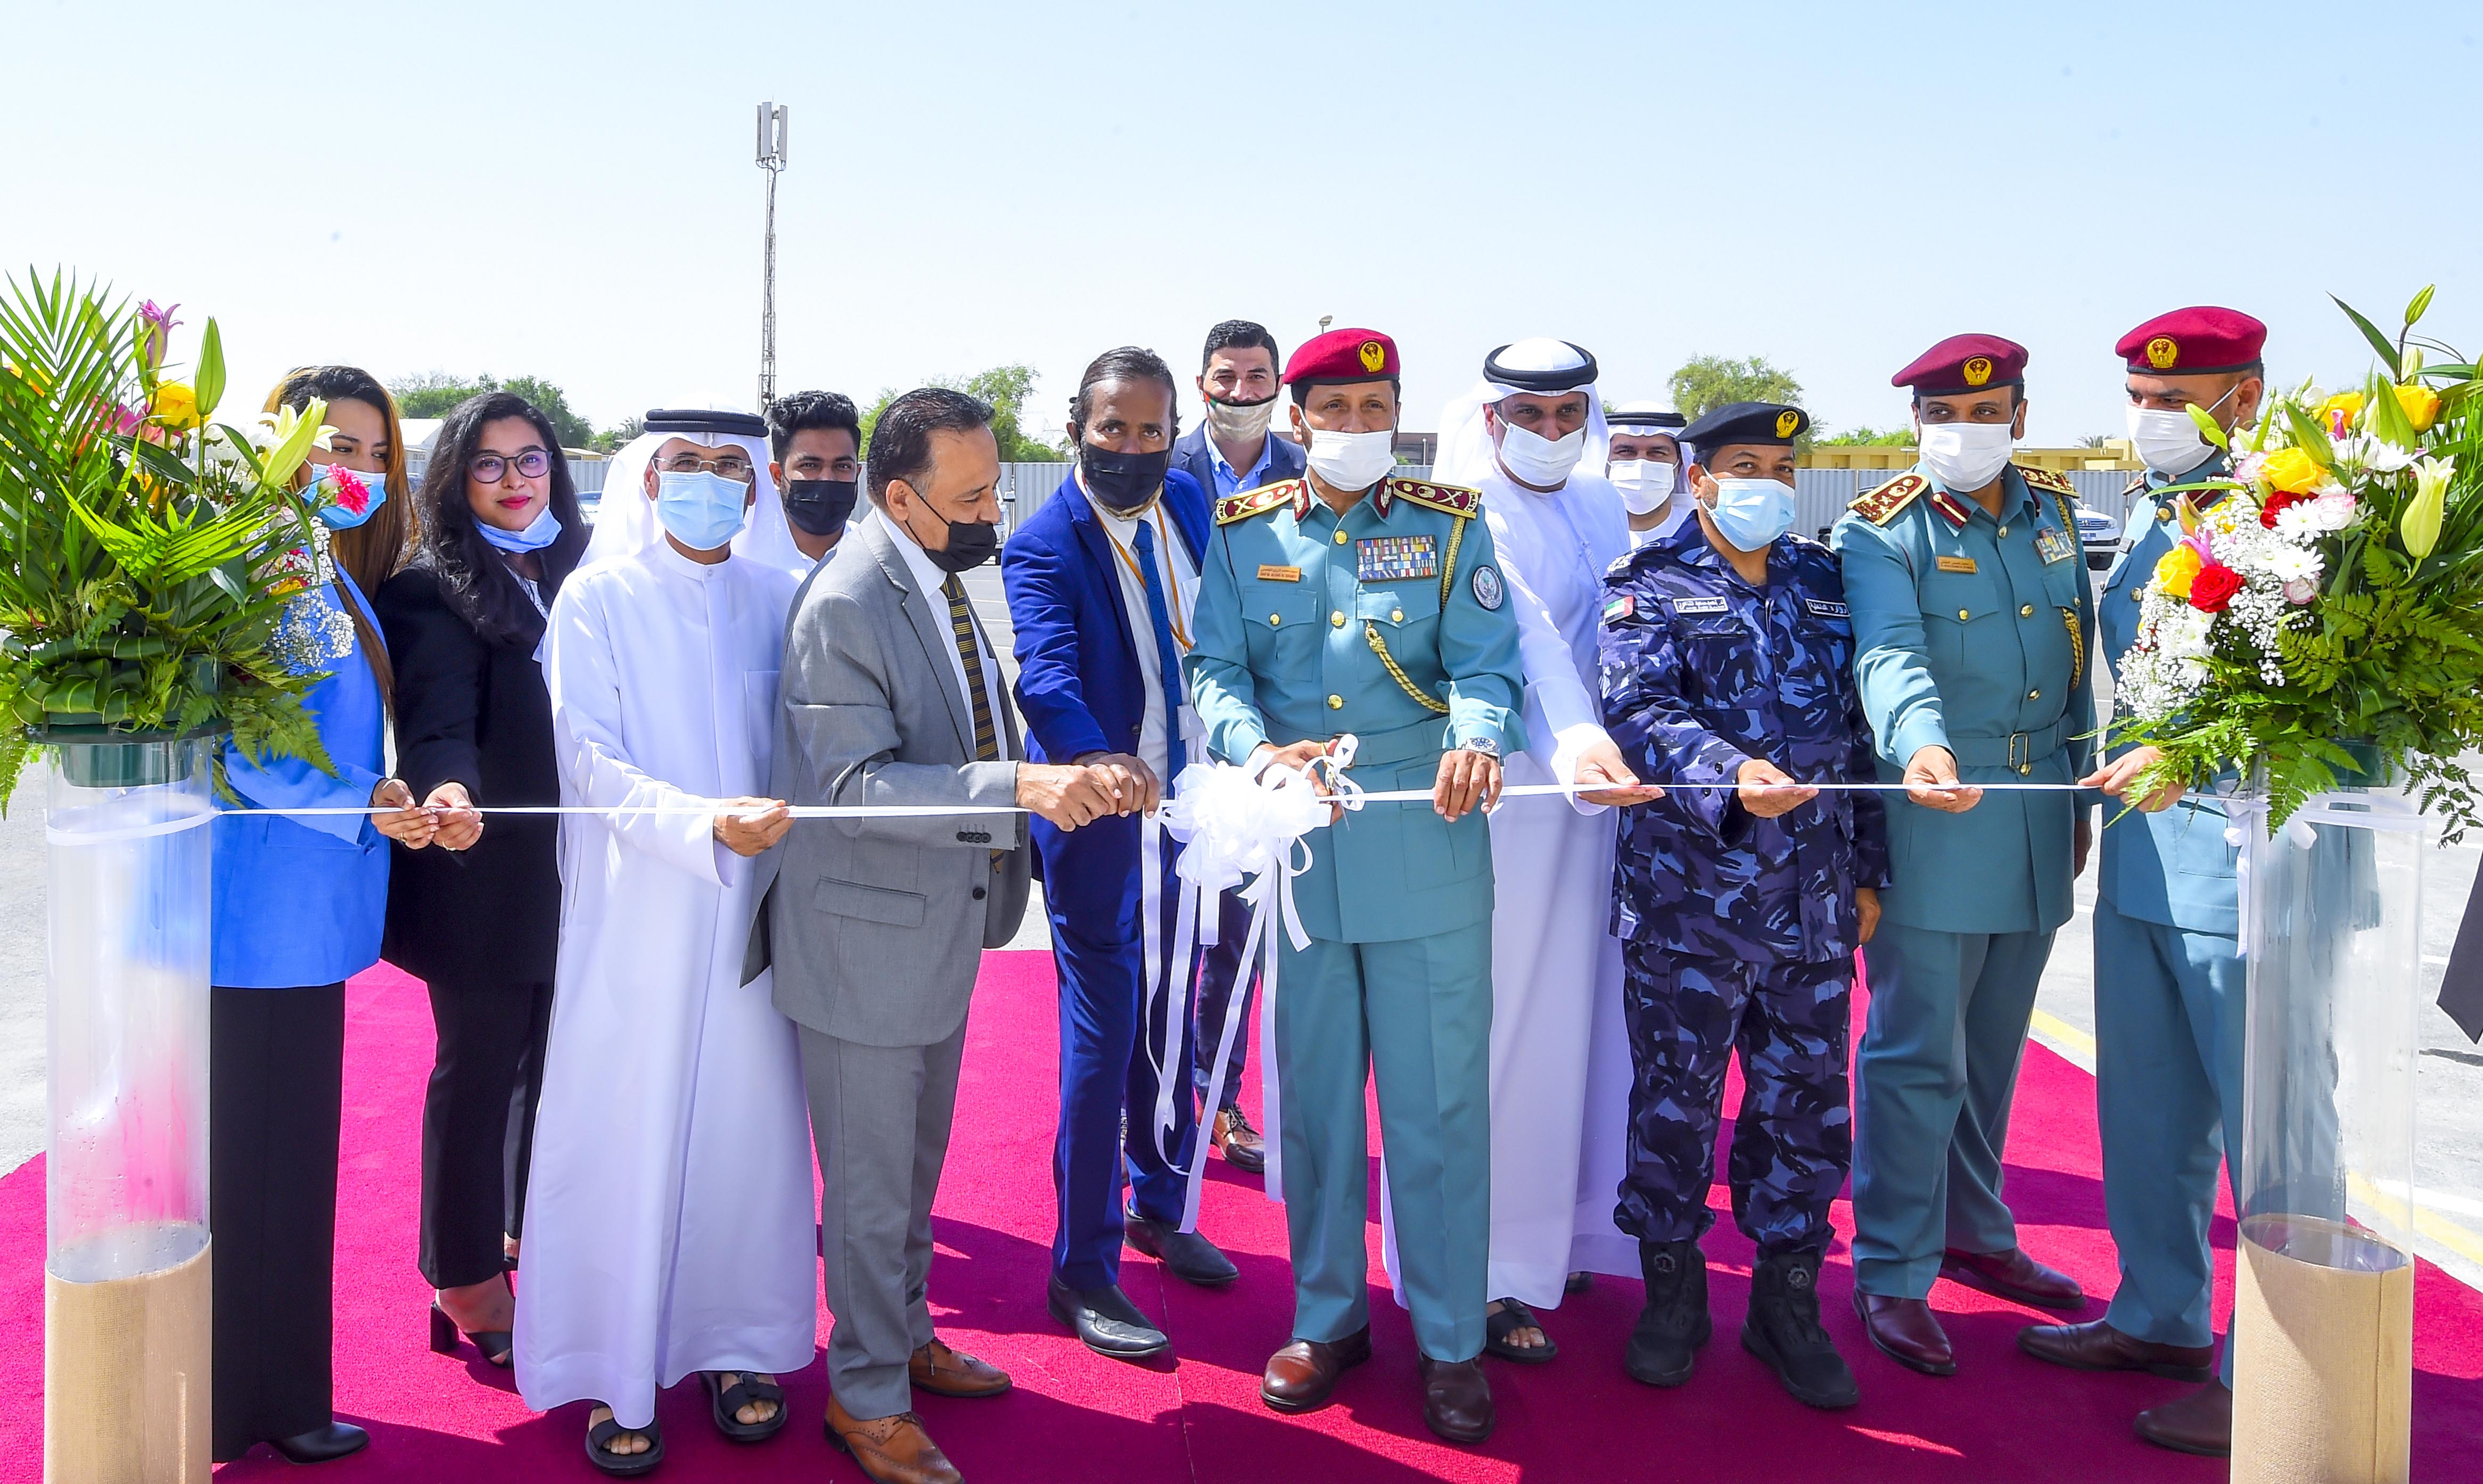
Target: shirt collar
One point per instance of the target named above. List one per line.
(927, 577)
(1224, 465)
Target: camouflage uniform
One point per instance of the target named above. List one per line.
(1737, 932)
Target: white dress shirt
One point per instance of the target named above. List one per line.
(931, 581)
(1180, 576)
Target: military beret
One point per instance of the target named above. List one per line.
(1766, 424)
(2197, 342)
(1343, 356)
(688, 421)
(1962, 364)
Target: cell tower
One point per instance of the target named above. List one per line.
(771, 159)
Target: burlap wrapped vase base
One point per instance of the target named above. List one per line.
(125, 1368)
(2323, 1368)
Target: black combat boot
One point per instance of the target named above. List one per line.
(1674, 1323)
(1784, 1331)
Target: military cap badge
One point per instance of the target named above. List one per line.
(1978, 370)
(1375, 355)
(2162, 352)
(1786, 422)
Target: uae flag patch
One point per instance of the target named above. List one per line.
(1619, 608)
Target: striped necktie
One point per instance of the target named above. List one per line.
(961, 622)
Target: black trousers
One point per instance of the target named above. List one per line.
(478, 1123)
(274, 1094)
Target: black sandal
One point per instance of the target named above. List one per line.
(496, 1345)
(1512, 1318)
(725, 1402)
(624, 1465)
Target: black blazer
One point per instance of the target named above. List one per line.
(1189, 455)
(478, 715)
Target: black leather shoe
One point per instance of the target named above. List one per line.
(1186, 1255)
(1107, 1321)
(321, 1444)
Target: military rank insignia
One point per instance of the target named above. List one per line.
(1488, 590)
(2053, 544)
(1388, 558)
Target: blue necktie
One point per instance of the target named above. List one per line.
(1167, 656)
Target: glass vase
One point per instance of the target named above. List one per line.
(2323, 1312)
(125, 1286)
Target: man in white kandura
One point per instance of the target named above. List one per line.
(1531, 437)
(668, 1214)
(1645, 465)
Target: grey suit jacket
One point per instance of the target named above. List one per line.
(876, 926)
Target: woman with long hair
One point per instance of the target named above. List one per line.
(297, 910)
(479, 921)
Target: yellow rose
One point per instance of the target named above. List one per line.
(2349, 403)
(2422, 405)
(2290, 470)
(175, 406)
(2173, 571)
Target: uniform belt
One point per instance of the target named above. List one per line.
(1426, 738)
(2019, 752)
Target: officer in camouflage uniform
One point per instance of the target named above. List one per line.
(1740, 903)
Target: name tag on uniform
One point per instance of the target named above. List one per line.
(1388, 558)
(1700, 605)
(1825, 609)
(2053, 545)
(1270, 572)
(1954, 563)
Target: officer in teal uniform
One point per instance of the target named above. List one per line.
(2168, 964)
(1972, 620)
(1348, 601)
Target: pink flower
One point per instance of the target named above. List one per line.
(2337, 423)
(2301, 591)
(2247, 468)
(158, 318)
(354, 496)
(127, 420)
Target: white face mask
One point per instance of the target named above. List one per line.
(1238, 422)
(1532, 458)
(1644, 484)
(1965, 456)
(2169, 443)
(1753, 513)
(1352, 460)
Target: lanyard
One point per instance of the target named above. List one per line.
(1164, 567)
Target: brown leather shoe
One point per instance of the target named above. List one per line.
(892, 1449)
(1240, 1143)
(2016, 1277)
(2200, 1422)
(1302, 1376)
(944, 1372)
(2096, 1345)
(1907, 1332)
(1456, 1399)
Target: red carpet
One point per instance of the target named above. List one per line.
(1077, 1417)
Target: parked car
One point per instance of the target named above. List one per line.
(2100, 534)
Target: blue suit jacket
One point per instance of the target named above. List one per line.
(301, 901)
(1190, 456)
(1078, 685)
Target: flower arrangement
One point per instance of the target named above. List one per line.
(159, 573)
(2327, 593)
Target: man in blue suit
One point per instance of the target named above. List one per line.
(1101, 582)
(1233, 451)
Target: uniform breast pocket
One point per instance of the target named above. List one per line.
(1721, 656)
(1279, 616)
(1406, 615)
(1957, 610)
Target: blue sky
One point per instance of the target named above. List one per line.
(568, 191)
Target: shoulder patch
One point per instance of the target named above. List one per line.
(1880, 506)
(2046, 479)
(1448, 499)
(1257, 502)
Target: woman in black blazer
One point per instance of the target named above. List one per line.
(479, 921)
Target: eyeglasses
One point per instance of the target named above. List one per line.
(487, 469)
(732, 466)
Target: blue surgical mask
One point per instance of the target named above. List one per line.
(1753, 513)
(540, 532)
(703, 510)
(336, 517)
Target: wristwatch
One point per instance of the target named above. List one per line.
(1489, 747)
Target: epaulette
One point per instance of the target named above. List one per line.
(1242, 506)
(1447, 499)
(2137, 485)
(2046, 479)
(1880, 506)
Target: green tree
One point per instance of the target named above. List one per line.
(1005, 388)
(1869, 437)
(610, 439)
(433, 393)
(1706, 382)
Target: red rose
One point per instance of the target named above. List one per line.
(2276, 502)
(2214, 587)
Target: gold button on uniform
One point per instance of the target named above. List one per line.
(2004, 530)
(1275, 619)
(1962, 614)
(1395, 614)
(2034, 695)
(1336, 619)
(1336, 702)
(1340, 536)
(2026, 611)
(2163, 511)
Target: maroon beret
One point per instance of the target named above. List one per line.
(1963, 363)
(2197, 342)
(1343, 356)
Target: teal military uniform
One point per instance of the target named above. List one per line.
(2168, 1004)
(1970, 633)
(1391, 623)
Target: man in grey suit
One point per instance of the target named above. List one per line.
(891, 694)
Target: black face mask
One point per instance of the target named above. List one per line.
(971, 544)
(820, 507)
(1124, 482)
